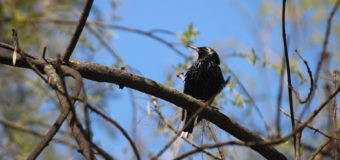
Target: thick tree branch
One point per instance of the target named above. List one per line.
(103, 73)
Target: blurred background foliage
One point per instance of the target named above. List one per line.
(250, 97)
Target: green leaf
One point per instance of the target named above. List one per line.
(239, 101)
(254, 56)
(114, 4)
(225, 69)
(189, 35)
(265, 60)
(278, 68)
(232, 83)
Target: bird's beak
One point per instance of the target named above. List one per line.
(193, 47)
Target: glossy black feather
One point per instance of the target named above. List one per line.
(203, 80)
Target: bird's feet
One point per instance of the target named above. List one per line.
(214, 108)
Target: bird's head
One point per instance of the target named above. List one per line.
(206, 53)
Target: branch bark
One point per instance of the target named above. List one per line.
(63, 114)
(67, 105)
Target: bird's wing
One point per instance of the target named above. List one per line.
(218, 80)
(191, 84)
(214, 81)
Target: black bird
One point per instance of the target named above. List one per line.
(203, 80)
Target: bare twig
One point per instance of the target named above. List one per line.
(24, 55)
(220, 149)
(192, 118)
(93, 28)
(145, 33)
(186, 154)
(31, 131)
(48, 137)
(162, 31)
(79, 28)
(119, 127)
(329, 26)
(44, 52)
(42, 124)
(279, 99)
(324, 53)
(102, 152)
(309, 148)
(155, 103)
(252, 101)
(319, 108)
(311, 82)
(87, 122)
(11, 48)
(149, 34)
(135, 112)
(319, 149)
(291, 107)
(16, 45)
(310, 126)
(334, 119)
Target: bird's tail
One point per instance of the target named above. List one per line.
(189, 128)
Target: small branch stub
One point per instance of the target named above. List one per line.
(16, 46)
